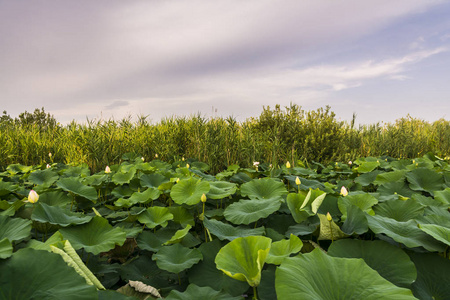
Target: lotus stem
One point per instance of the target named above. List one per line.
(255, 296)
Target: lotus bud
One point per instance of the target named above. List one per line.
(344, 191)
(297, 181)
(256, 164)
(50, 154)
(178, 179)
(203, 198)
(350, 162)
(142, 158)
(329, 218)
(107, 170)
(48, 166)
(33, 197)
(182, 158)
(288, 165)
(187, 166)
(156, 155)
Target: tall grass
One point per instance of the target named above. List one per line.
(276, 136)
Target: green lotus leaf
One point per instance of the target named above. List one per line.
(56, 239)
(433, 276)
(367, 178)
(155, 216)
(248, 211)
(194, 292)
(77, 171)
(36, 274)
(406, 233)
(181, 215)
(10, 209)
(363, 201)
(225, 231)
(43, 177)
(294, 202)
(389, 261)
(6, 248)
(243, 258)
(153, 180)
(367, 166)
(113, 295)
(75, 186)
(124, 175)
(443, 196)
(329, 230)
(7, 188)
(148, 195)
(266, 289)
(58, 216)
(55, 198)
(318, 276)
(95, 237)
(189, 191)
(14, 229)
(14, 169)
(440, 233)
(305, 184)
(178, 236)
(356, 221)
(282, 249)
(153, 241)
(96, 180)
(265, 188)
(205, 272)
(397, 175)
(396, 187)
(221, 189)
(176, 258)
(427, 180)
(399, 210)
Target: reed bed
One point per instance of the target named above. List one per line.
(276, 136)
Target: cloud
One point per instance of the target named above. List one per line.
(117, 104)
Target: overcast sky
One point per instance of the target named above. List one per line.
(83, 59)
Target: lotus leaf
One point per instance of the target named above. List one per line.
(179, 235)
(329, 230)
(153, 180)
(265, 188)
(367, 178)
(194, 292)
(248, 211)
(399, 210)
(397, 175)
(406, 233)
(7, 187)
(389, 261)
(440, 233)
(124, 175)
(282, 249)
(6, 248)
(427, 180)
(243, 258)
(433, 276)
(356, 221)
(318, 276)
(155, 216)
(221, 189)
(367, 166)
(14, 229)
(182, 216)
(443, 196)
(75, 186)
(36, 274)
(205, 272)
(189, 191)
(58, 216)
(305, 184)
(96, 236)
(363, 201)
(176, 258)
(225, 231)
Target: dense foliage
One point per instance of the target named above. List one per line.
(274, 137)
(376, 228)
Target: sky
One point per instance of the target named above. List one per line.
(103, 59)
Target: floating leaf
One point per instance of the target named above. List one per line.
(178, 236)
(96, 236)
(400, 210)
(440, 233)
(427, 180)
(248, 211)
(176, 258)
(329, 230)
(6, 248)
(221, 189)
(243, 258)
(363, 201)
(43, 177)
(318, 276)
